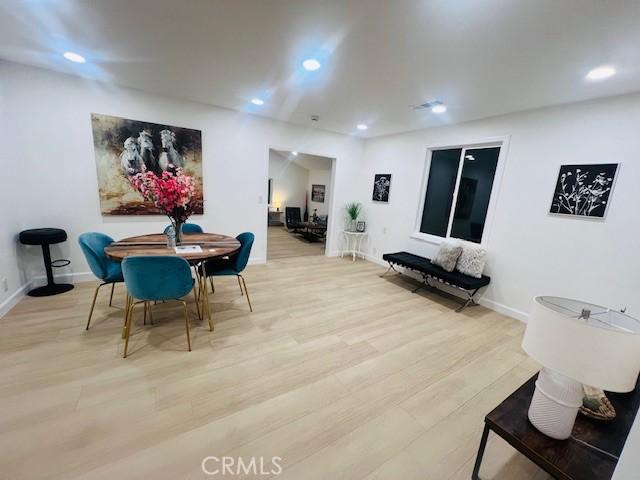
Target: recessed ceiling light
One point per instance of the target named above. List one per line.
(257, 101)
(74, 57)
(294, 153)
(311, 64)
(362, 126)
(601, 73)
(439, 108)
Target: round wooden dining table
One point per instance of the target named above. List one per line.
(212, 245)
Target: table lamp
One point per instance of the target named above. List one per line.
(577, 343)
(277, 203)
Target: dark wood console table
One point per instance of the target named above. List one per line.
(592, 451)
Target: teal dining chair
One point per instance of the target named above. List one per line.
(153, 279)
(107, 270)
(234, 265)
(187, 228)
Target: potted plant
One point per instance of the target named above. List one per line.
(172, 192)
(353, 212)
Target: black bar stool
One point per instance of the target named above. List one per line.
(45, 237)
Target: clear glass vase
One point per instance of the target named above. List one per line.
(177, 228)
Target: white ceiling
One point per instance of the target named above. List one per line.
(305, 160)
(481, 57)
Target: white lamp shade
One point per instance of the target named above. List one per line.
(602, 350)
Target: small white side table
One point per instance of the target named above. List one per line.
(353, 244)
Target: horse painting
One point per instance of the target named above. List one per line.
(124, 148)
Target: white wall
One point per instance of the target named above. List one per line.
(320, 177)
(290, 181)
(49, 119)
(11, 200)
(530, 252)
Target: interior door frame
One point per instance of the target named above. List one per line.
(329, 244)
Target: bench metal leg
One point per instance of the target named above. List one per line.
(483, 445)
(391, 267)
(470, 301)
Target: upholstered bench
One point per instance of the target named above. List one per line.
(465, 283)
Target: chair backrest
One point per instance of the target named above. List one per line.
(93, 245)
(241, 258)
(187, 228)
(292, 215)
(157, 277)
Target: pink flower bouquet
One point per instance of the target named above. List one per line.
(172, 192)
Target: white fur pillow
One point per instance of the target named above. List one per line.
(447, 256)
(472, 260)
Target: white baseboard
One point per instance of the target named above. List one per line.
(39, 281)
(12, 301)
(503, 309)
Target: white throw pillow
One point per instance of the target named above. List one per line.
(471, 261)
(447, 256)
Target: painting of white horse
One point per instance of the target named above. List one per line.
(124, 148)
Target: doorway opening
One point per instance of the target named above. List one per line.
(299, 199)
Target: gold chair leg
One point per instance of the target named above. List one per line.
(245, 291)
(128, 301)
(113, 285)
(213, 288)
(195, 297)
(203, 297)
(93, 304)
(186, 321)
(128, 327)
(145, 307)
(240, 285)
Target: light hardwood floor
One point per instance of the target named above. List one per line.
(282, 244)
(342, 374)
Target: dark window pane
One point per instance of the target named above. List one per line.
(440, 186)
(474, 192)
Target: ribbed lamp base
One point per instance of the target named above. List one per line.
(555, 404)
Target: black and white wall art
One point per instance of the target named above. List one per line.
(317, 193)
(381, 187)
(584, 190)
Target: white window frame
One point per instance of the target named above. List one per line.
(503, 143)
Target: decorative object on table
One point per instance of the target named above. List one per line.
(472, 260)
(577, 343)
(46, 237)
(124, 148)
(447, 255)
(186, 228)
(584, 190)
(353, 210)
(317, 193)
(109, 271)
(314, 217)
(172, 193)
(305, 217)
(361, 226)
(381, 187)
(596, 405)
